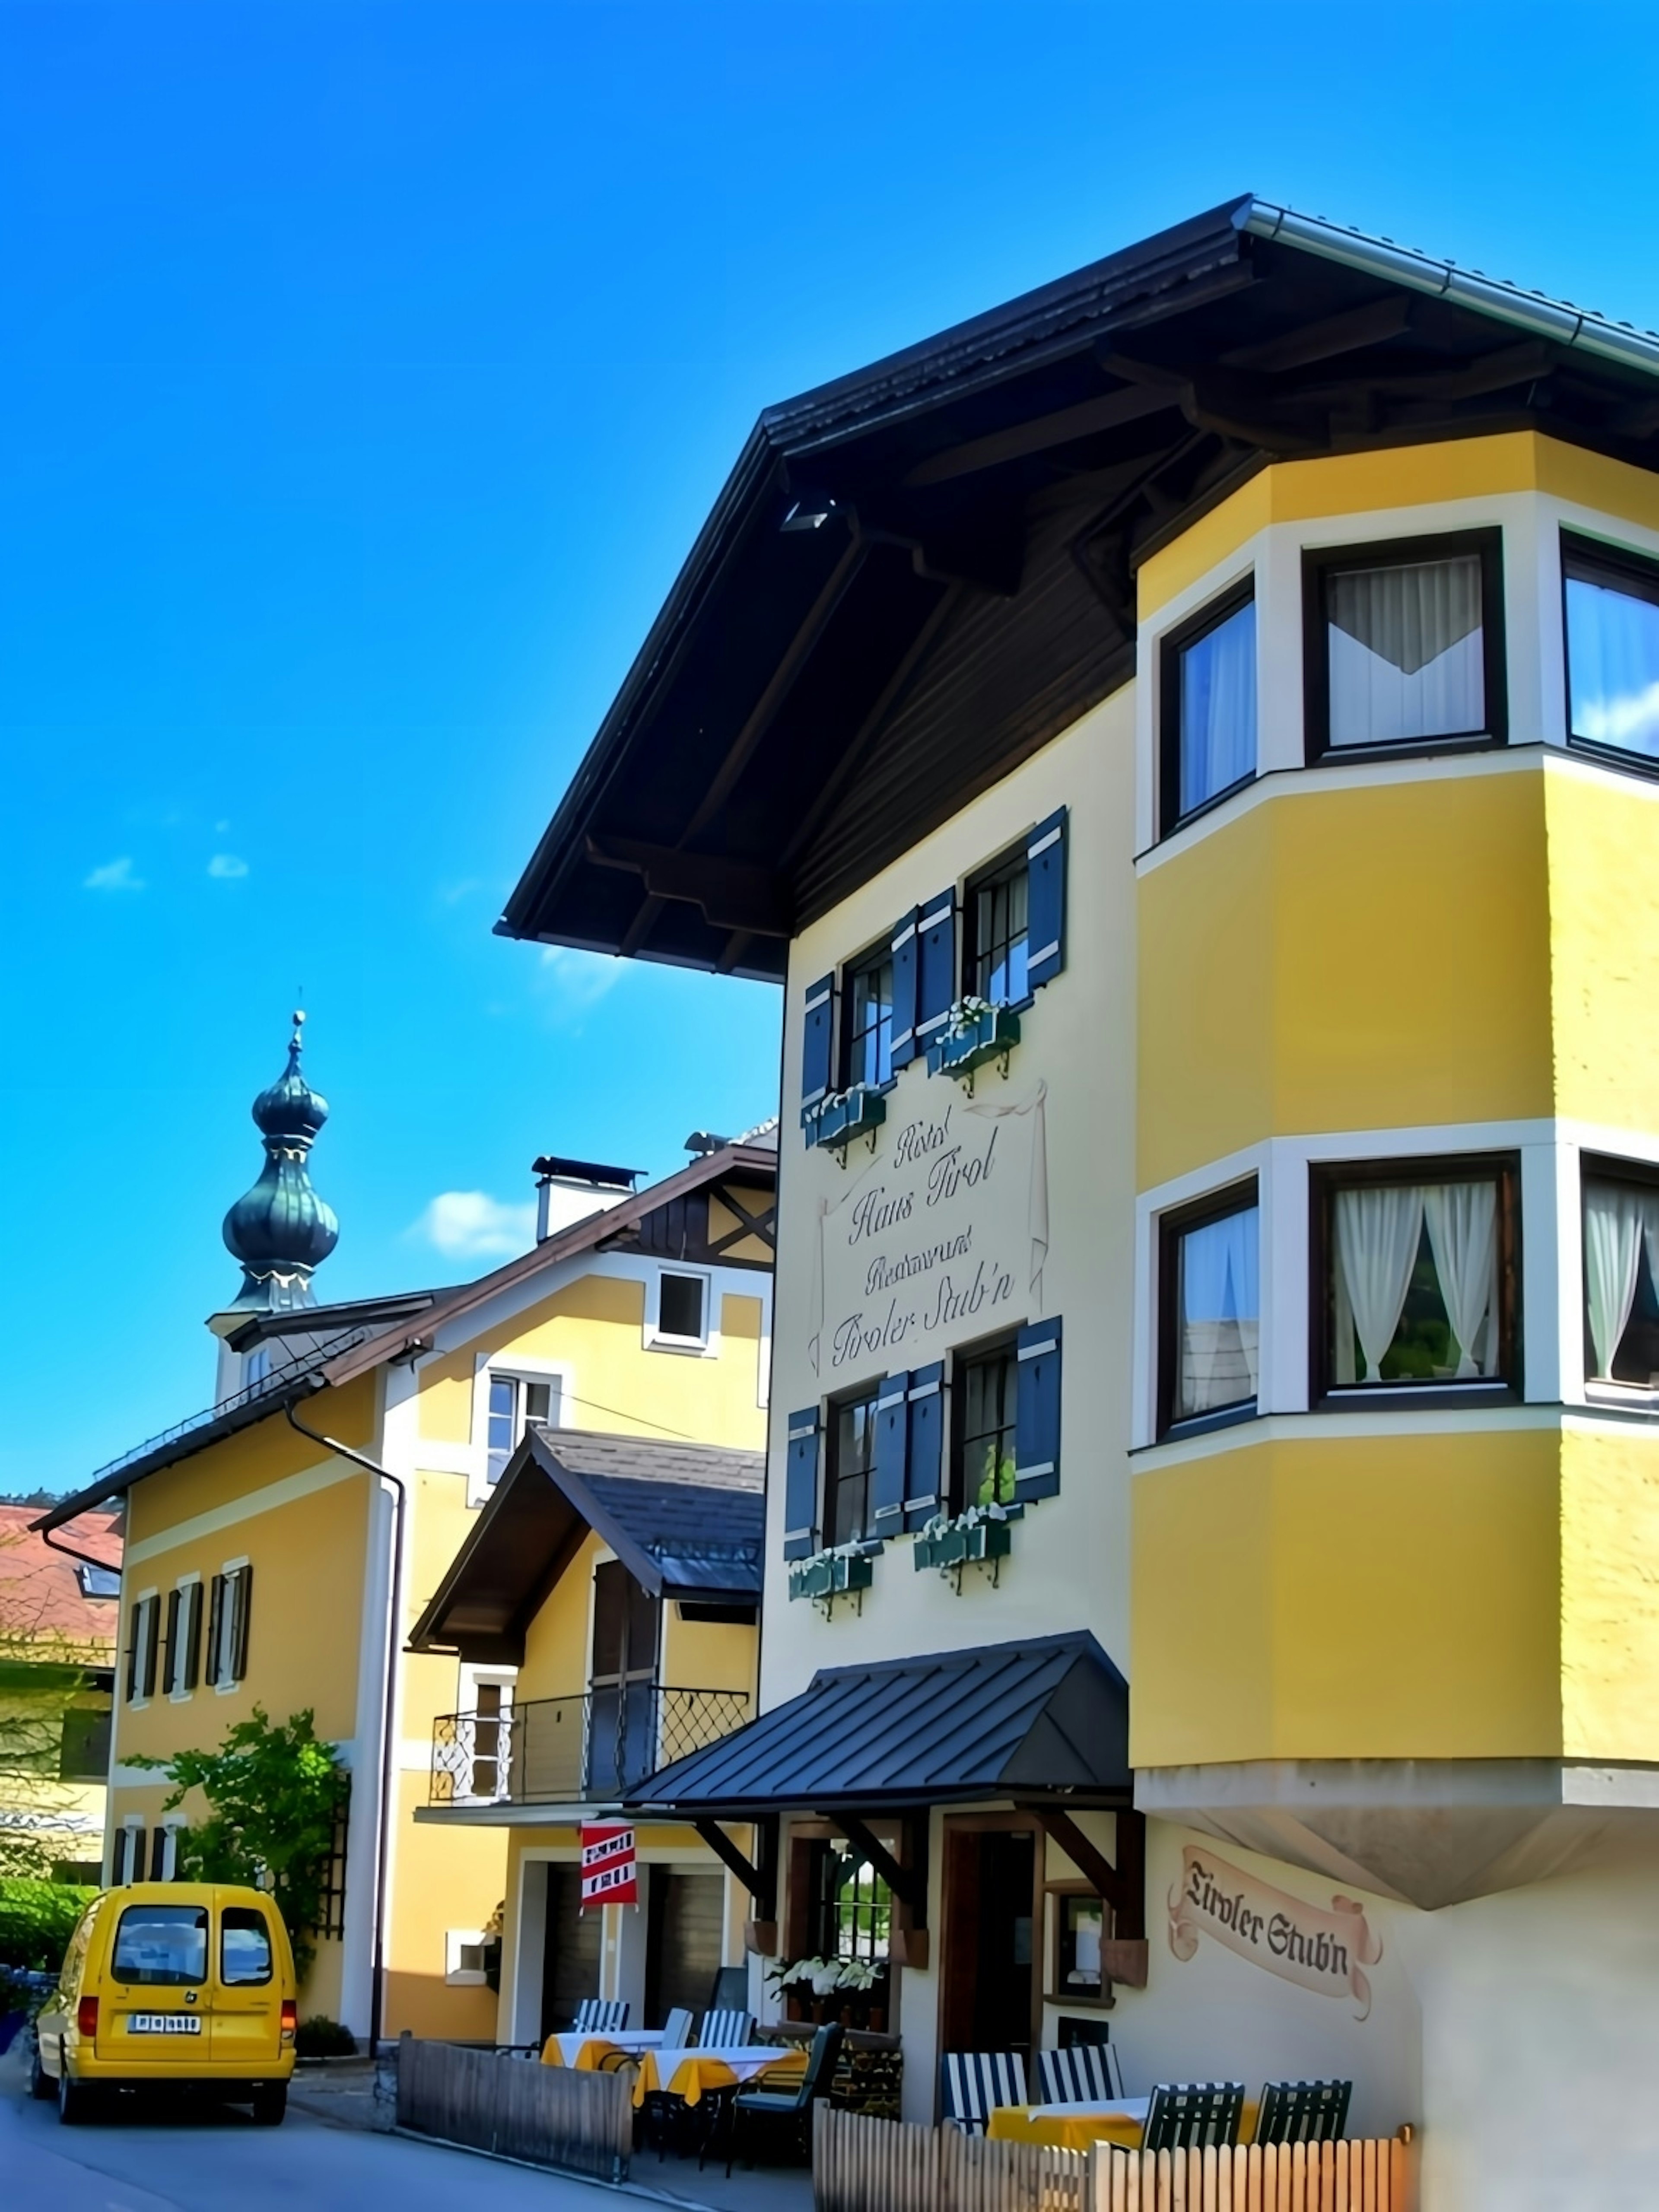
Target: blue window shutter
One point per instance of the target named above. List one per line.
(891, 1432)
(904, 989)
(1036, 1413)
(924, 1488)
(936, 966)
(800, 1488)
(1045, 862)
(818, 1035)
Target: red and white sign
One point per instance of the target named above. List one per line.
(609, 1870)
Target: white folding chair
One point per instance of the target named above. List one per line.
(601, 2016)
(975, 2082)
(724, 2030)
(1086, 2074)
(676, 2029)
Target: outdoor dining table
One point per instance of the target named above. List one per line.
(691, 2073)
(1074, 2127)
(582, 2049)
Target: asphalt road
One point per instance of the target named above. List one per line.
(217, 2160)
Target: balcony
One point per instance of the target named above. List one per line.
(574, 1751)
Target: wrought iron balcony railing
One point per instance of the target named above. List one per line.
(574, 1751)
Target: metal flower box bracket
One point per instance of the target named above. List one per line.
(832, 1575)
(966, 1045)
(977, 1544)
(842, 1118)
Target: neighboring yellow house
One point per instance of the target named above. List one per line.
(58, 1632)
(1195, 771)
(282, 1542)
(620, 1577)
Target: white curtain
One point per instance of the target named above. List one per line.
(1217, 709)
(1615, 1217)
(1462, 1218)
(1613, 666)
(1407, 659)
(1219, 1351)
(1377, 1234)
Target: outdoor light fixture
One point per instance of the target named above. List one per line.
(810, 511)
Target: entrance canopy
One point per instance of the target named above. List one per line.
(1049, 1716)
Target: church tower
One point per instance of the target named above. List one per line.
(280, 1229)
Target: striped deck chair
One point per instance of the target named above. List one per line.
(1188, 2114)
(975, 2082)
(601, 2016)
(727, 2030)
(1087, 2074)
(1304, 2112)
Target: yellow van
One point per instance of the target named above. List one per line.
(172, 1983)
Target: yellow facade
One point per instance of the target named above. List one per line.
(315, 1526)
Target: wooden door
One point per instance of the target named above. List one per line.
(570, 1956)
(990, 1984)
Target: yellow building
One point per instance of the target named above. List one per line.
(280, 1546)
(1191, 763)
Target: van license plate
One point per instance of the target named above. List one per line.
(164, 2023)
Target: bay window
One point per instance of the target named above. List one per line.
(1210, 1299)
(1403, 643)
(1621, 1279)
(1613, 648)
(1208, 706)
(1417, 1261)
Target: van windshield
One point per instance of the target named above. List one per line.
(158, 1944)
(244, 1945)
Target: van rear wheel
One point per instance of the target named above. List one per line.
(42, 2084)
(74, 2100)
(269, 2103)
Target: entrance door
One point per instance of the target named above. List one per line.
(622, 1742)
(681, 1941)
(989, 1988)
(570, 1960)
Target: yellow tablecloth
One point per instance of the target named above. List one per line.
(1019, 2124)
(588, 2058)
(700, 2072)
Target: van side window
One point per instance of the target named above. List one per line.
(244, 1945)
(162, 1944)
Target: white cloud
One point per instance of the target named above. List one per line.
(227, 866)
(470, 1224)
(220, 828)
(575, 979)
(463, 887)
(114, 876)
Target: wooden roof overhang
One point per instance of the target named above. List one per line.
(917, 575)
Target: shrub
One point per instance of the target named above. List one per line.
(37, 1920)
(322, 2037)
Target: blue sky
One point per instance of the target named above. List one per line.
(365, 372)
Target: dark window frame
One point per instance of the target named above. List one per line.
(1013, 860)
(1172, 816)
(1180, 1221)
(876, 955)
(1325, 1179)
(833, 1478)
(1621, 566)
(1004, 1344)
(1610, 1167)
(1320, 563)
(705, 1300)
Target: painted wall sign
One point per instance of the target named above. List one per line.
(941, 1237)
(1323, 1950)
(610, 1870)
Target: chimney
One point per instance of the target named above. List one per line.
(568, 1191)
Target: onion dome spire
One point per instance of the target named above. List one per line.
(281, 1231)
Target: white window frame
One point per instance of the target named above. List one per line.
(457, 1976)
(184, 1584)
(509, 1367)
(121, 1871)
(213, 1675)
(706, 1346)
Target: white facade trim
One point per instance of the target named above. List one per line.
(200, 1526)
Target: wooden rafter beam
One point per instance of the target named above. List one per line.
(1063, 428)
(761, 1881)
(1348, 332)
(1123, 1886)
(733, 894)
(905, 1882)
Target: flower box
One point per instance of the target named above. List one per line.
(844, 1116)
(972, 1035)
(830, 1575)
(963, 1545)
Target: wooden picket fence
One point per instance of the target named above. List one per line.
(545, 2115)
(862, 2165)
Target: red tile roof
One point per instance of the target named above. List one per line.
(40, 1589)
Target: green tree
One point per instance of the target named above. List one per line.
(275, 1794)
(42, 1675)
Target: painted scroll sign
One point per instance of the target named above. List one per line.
(1322, 1951)
(941, 1237)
